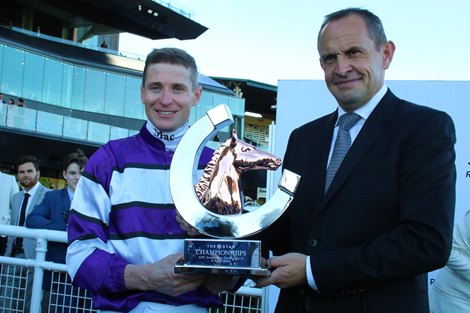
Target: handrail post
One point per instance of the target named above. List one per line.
(41, 249)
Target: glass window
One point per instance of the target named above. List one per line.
(67, 86)
(1, 64)
(133, 107)
(12, 71)
(220, 99)
(118, 133)
(78, 87)
(95, 85)
(53, 81)
(237, 106)
(75, 128)
(3, 113)
(33, 76)
(49, 123)
(115, 93)
(205, 103)
(21, 118)
(98, 132)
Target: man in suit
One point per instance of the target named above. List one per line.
(8, 187)
(366, 243)
(22, 204)
(52, 213)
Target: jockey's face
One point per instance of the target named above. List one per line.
(168, 95)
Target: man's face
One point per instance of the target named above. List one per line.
(72, 175)
(354, 68)
(168, 95)
(27, 175)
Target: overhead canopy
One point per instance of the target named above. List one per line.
(145, 18)
(259, 97)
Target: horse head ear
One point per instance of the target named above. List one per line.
(234, 135)
(234, 138)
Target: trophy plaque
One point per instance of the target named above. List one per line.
(213, 204)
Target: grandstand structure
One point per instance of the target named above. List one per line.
(77, 93)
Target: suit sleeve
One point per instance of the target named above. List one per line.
(41, 216)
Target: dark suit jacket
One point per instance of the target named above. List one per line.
(52, 213)
(386, 219)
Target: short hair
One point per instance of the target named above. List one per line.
(26, 159)
(77, 157)
(373, 24)
(173, 56)
(20, 100)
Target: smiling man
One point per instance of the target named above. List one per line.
(374, 209)
(123, 234)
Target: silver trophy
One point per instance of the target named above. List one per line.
(214, 206)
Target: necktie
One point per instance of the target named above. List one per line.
(19, 240)
(342, 144)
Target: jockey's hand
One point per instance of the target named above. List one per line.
(160, 276)
(190, 230)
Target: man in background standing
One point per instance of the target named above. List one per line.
(22, 204)
(52, 213)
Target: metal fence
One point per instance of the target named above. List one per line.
(16, 294)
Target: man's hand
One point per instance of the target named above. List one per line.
(287, 270)
(160, 276)
(191, 231)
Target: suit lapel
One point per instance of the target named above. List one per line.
(66, 200)
(16, 203)
(369, 134)
(38, 195)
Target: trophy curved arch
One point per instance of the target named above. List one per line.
(183, 177)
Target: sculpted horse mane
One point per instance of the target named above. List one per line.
(218, 189)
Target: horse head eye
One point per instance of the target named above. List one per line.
(245, 149)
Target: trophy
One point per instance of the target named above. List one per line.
(214, 206)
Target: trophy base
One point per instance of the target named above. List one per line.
(216, 256)
(182, 268)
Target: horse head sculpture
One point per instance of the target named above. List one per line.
(218, 189)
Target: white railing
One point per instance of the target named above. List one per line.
(246, 299)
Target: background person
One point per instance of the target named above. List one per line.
(21, 103)
(8, 187)
(450, 291)
(123, 234)
(22, 204)
(365, 242)
(52, 213)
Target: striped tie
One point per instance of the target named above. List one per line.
(342, 144)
